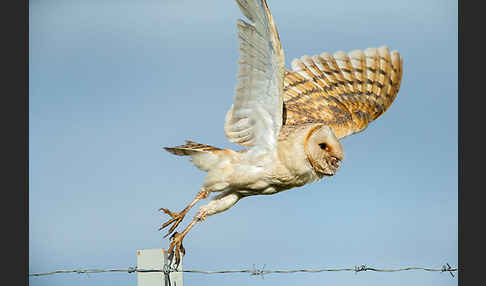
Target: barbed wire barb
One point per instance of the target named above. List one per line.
(253, 272)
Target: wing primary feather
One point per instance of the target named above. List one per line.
(347, 70)
(372, 66)
(398, 66)
(325, 61)
(319, 77)
(339, 74)
(385, 67)
(328, 85)
(255, 117)
(358, 60)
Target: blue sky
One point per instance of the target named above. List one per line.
(111, 82)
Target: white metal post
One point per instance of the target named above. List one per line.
(155, 259)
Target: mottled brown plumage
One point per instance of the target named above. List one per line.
(344, 91)
(190, 148)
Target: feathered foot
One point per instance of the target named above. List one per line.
(176, 218)
(218, 204)
(175, 246)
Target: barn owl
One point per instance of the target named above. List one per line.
(289, 121)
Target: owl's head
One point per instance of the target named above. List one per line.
(323, 150)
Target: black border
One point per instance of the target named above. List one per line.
(15, 143)
(471, 55)
(14, 138)
(460, 144)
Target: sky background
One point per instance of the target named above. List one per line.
(111, 82)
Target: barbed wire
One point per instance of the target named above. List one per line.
(254, 272)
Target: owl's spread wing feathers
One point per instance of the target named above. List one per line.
(344, 91)
(255, 117)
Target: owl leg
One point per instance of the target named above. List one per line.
(178, 217)
(218, 204)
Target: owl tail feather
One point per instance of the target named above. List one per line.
(202, 156)
(190, 148)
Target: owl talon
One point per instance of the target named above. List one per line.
(176, 220)
(178, 217)
(176, 247)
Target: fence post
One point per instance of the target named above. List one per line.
(156, 259)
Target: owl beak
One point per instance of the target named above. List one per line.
(335, 163)
(338, 156)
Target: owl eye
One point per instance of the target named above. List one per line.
(323, 146)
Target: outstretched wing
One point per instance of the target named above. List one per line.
(255, 117)
(344, 91)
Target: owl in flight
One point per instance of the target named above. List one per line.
(290, 121)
